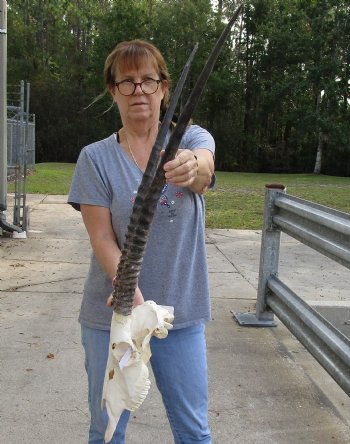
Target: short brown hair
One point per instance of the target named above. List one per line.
(132, 54)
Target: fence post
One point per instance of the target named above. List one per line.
(269, 257)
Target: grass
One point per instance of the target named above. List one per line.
(237, 201)
(49, 178)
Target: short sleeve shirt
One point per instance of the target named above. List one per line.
(174, 268)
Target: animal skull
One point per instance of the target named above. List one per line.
(126, 382)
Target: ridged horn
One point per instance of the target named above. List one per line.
(132, 252)
(153, 181)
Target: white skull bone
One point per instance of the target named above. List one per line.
(126, 382)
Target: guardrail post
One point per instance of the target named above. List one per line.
(269, 257)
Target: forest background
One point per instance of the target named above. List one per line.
(277, 100)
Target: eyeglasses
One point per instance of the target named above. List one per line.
(128, 87)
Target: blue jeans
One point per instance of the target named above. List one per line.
(179, 365)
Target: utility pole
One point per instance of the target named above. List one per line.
(3, 105)
(3, 126)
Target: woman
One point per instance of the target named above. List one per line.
(174, 270)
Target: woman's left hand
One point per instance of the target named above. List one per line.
(183, 170)
(138, 299)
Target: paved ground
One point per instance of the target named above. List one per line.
(264, 386)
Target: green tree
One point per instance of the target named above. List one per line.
(278, 95)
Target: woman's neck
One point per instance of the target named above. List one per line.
(141, 130)
(138, 141)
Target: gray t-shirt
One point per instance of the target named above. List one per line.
(174, 268)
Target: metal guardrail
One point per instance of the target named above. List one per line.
(325, 230)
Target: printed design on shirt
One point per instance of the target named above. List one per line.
(163, 197)
(133, 197)
(164, 201)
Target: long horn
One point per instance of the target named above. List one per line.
(146, 199)
(146, 182)
(153, 161)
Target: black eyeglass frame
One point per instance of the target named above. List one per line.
(158, 81)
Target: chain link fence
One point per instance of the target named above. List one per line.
(20, 132)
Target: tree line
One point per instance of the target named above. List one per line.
(277, 100)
